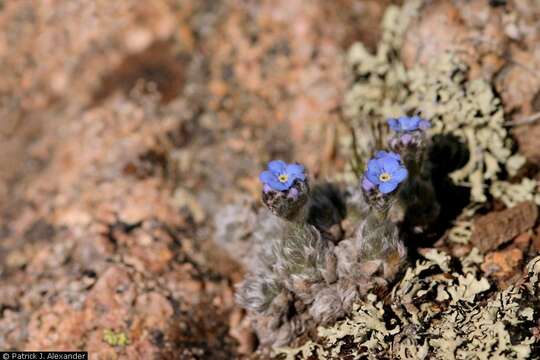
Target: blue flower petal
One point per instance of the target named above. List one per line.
(277, 166)
(266, 176)
(374, 165)
(278, 185)
(290, 181)
(399, 175)
(373, 171)
(395, 156)
(373, 177)
(293, 177)
(393, 124)
(409, 123)
(424, 124)
(387, 187)
(294, 169)
(389, 164)
(382, 154)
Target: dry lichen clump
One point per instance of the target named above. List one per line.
(383, 87)
(439, 311)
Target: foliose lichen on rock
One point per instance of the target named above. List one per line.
(439, 310)
(440, 91)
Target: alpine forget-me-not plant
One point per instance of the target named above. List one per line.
(306, 273)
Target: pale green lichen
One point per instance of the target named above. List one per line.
(461, 232)
(441, 91)
(513, 194)
(438, 311)
(303, 351)
(115, 338)
(514, 163)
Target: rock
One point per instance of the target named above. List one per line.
(517, 87)
(241, 330)
(109, 302)
(460, 27)
(494, 229)
(155, 309)
(56, 326)
(461, 250)
(528, 137)
(503, 264)
(12, 329)
(184, 199)
(536, 240)
(523, 241)
(438, 28)
(9, 296)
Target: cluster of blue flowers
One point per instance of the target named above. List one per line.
(385, 171)
(309, 257)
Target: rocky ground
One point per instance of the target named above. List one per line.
(126, 125)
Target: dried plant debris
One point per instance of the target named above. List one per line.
(441, 309)
(441, 91)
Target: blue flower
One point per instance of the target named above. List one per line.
(281, 176)
(381, 154)
(386, 171)
(408, 124)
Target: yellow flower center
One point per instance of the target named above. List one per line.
(384, 177)
(283, 178)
